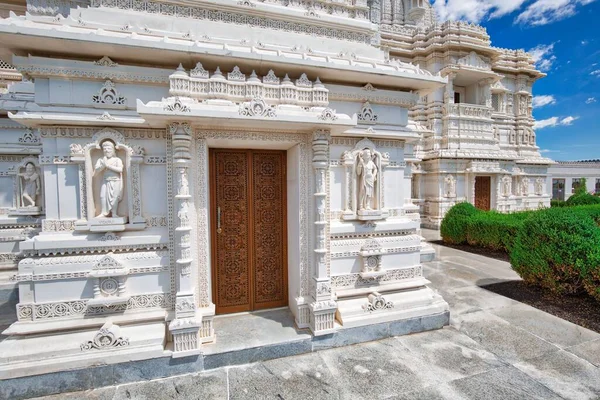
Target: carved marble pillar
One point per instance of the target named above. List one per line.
(185, 328)
(486, 92)
(323, 308)
(449, 94)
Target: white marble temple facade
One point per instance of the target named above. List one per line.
(114, 264)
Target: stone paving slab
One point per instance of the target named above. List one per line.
(564, 373)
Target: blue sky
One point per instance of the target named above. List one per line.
(565, 37)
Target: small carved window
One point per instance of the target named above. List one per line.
(496, 102)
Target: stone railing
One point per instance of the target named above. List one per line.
(468, 111)
(236, 87)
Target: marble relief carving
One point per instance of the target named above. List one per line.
(364, 184)
(27, 188)
(109, 183)
(110, 167)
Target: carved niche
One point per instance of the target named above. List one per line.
(539, 186)
(28, 189)
(450, 186)
(506, 186)
(108, 277)
(371, 253)
(364, 182)
(109, 183)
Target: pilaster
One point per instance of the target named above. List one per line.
(186, 326)
(323, 308)
(449, 93)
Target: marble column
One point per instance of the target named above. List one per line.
(185, 328)
(323, 308)
(449, 93)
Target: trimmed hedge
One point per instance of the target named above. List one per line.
(453, 228)
(494, 230)
(556, 248)
(582, 199)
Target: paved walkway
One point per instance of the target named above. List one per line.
(495, 348)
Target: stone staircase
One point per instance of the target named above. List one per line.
(9, 297)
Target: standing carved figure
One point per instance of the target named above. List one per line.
(367, 172)
(31, 185)
(111, 192)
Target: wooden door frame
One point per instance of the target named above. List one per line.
(213, 228)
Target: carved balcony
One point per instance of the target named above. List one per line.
(468, 111)
(468, 124)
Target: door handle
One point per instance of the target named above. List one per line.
(219, 230)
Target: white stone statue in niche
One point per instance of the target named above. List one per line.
(30, 186)
(109, 183)
(367, 173)
(450, 186)
(111, 168)
(364, 182)
(506, 186)
(27, 188)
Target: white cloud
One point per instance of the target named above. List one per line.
(538, 12)
(554, 121)
(542, 12)
(475, 10)
(544, 100)
(595, 73)
(549, 151)
(590, 100)
(544, 57)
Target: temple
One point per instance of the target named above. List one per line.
(164, 163)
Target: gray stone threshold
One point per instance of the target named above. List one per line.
(218, 356)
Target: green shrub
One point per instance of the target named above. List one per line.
(558, 203)
(494, 230)
(558, 249)
(582, 199)
(593, 211)
(454, 225)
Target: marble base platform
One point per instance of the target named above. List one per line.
(241, 339)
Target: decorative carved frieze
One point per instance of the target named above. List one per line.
(216, 15)
(356, 281)
(80, 308)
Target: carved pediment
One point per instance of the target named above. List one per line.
(474, 61)
(107, 262)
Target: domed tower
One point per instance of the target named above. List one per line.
(418, 12)
(400, 12)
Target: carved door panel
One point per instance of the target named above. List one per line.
(483, 187)
(248, 210)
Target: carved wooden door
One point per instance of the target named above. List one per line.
(248, 214)
(483, 187)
